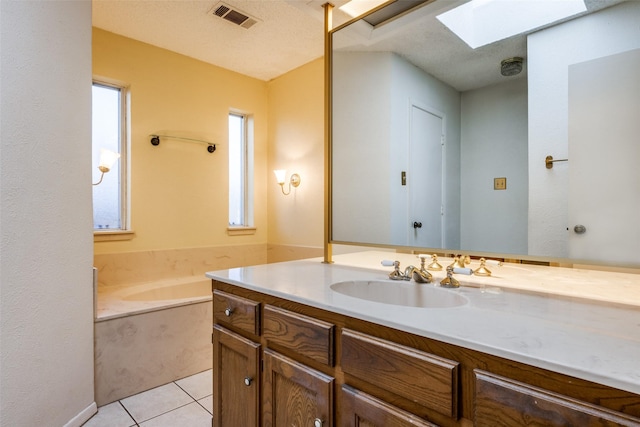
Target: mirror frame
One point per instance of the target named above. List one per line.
(328, 139)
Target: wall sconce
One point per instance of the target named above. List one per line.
(107, 159)
(293, 181)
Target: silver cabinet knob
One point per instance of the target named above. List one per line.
(317, 422)
(248, 381)
(580, 229)
(228, 312)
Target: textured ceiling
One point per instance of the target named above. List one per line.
(285, 38)
(290, 33)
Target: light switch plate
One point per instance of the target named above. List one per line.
(499, 183)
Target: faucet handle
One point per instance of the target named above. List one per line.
(396, 274)
(482, 270)
(435, 265)
(450, 281)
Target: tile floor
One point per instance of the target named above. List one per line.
(186, 402)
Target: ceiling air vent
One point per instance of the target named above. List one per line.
(233, 15)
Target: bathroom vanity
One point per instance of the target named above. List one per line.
(307, 343)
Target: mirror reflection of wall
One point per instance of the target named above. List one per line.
(550, 53)
(377, 127)
(504, 129)
(494, 145)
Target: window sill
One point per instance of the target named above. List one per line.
(241, 231)
(113, 235)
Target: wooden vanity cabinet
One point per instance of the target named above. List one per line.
(294, 394)
(236, 360)
(319, 368)
(362, 409)
(255, 385)
(504, 402)
(426, 379)
(236, 379)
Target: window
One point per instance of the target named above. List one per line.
(240, 170)
(110, 133)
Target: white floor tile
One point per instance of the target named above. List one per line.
(198, 385)
(207, 402)
(192, 415)
(111, 415)
(156, 401)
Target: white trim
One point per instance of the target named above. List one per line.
(124, 149)
(83, 416)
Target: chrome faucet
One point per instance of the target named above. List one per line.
(420, 275)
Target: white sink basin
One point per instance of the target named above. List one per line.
(408, 294)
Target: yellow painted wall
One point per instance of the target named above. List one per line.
(179, 190)
(296, 143)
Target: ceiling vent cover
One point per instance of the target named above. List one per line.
(233, 15)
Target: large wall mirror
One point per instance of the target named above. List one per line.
(433, 148)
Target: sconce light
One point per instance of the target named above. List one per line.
(107, 159)
(293, 181)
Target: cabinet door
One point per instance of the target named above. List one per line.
(359, 409)
(236, 379)
(505, 402)
(294, 394)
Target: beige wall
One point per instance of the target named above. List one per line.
(178, 189)
(296, 143)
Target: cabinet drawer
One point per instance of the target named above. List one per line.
(236, 311)
(305, 335)
(361, 409)
(423, 378)
(501, 401)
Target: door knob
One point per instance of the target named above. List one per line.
(248, 381)
(417, 224)
(317, 422)
(580, 229)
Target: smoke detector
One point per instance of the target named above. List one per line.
(511, 66)
(233, 15)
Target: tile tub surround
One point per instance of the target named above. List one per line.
(580, 323)
(142, 351)
(142, 343)
(128, 268)
(120, 301)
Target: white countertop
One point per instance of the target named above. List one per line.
(581, 323)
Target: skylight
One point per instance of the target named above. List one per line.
(357, 7)
(481, 22)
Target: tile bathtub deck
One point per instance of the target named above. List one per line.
(185, 402)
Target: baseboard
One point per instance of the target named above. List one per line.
(83, 416)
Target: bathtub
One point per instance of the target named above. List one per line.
(119, 301)
(150, 334)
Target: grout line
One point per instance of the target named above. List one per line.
(164, 413)
(198, 402)
(128, 413)
(185, 391)
(194, 399)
